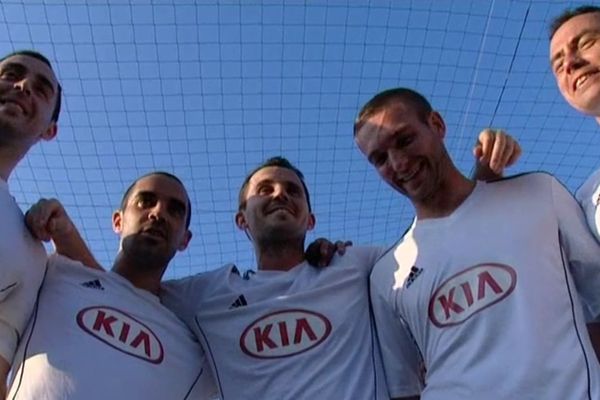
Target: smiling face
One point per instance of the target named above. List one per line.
(28, 97)
(152, 222)
(407, 151)
(275, 206)
(575, 61)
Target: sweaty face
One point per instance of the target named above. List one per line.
(406, 151)
(152, 223)
(276, 206)
(575, 61)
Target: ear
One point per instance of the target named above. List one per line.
(185, 241)
(312, 220)
(240, 220)
(117, 222)
(50, 132)
(437, 124)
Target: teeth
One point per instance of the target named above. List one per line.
(580, 81)
(408, 177)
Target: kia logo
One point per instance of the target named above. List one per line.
(470, 291)
(122, 332)
(284, 333)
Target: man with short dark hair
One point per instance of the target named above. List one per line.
(105, 335)
(30, 98)
(575, 62)
(489, 280)
(287, 330)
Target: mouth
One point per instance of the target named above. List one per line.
(155, 233)
(582, 79)
(14, 103)
(402, 179)
(273, 210)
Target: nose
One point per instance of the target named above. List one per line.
(23, 86)
(280, 192)
(396, 160)
(157, 213)
(573, 61)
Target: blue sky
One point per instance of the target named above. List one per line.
(209, 89)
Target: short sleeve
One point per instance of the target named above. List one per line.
(581, 249)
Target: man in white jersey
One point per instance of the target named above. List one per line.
(287, 330)
(105, 335)
(30, 98)
(492, 300)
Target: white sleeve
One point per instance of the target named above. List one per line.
(364, 257)
(581, 249)
(402, 362)
(182, 296)
(588, 195)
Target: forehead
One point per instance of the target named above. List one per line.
(389, 116)
(33, 65)
(274, 174)
(573, 28)
(161, 186)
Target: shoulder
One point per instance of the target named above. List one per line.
(590, 189)
(60, 263)
(537, 183)
(363, 257)
(201, 280)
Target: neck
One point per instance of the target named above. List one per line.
(9, 158)
(279, 256)
(145, 276)
(447, 197)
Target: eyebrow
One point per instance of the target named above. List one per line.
(148, 193)
(570, 42)
(21, 69)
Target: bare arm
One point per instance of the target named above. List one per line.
(494, 151)
(47, 220)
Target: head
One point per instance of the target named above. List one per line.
(154, 217)
(274, 203)
(575, 57)
(402, 137)
(30, 99)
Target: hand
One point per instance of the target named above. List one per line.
(47, 220)
(496, 150)
(320, 252)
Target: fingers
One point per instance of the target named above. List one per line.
(46, 218)
(340, 246)
(496, 149)
(327, 250)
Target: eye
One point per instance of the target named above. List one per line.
(379, 159)
(558, 66)
(8, 74)
(294, 190)
(586, 41)
(264, 189)
(404, 140)
(145, 201)
(42, 91)
(177, 210)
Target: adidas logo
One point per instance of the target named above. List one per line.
(239, 302)
(414, 273)
(95, 284)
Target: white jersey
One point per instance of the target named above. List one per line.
(96, 336)
(302, 334)
(491, 295)
(588, 195)
(22, 264)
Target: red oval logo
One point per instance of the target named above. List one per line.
(122, 332)
(284, 333)
(470, 291)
